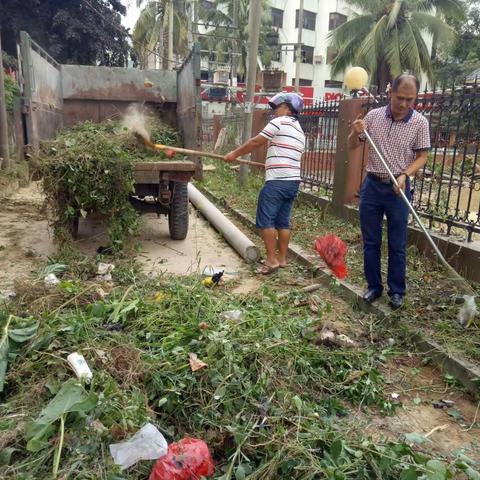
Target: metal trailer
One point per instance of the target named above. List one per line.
(56, 96)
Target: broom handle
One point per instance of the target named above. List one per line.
(187, 151)
(415, 215)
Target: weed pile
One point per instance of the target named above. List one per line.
(269, 402)
(90, 168)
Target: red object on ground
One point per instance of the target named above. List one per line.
(170, 153)
(333, 250)
(188, 459)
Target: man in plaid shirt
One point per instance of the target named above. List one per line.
(402, 135)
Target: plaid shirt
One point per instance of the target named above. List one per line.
(397, 141)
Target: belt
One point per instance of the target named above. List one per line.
(376, 178)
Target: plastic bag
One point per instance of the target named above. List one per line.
(147, 444)
(333, 250)
(188, 459)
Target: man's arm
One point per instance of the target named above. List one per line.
(358, 127)
(247, 147)
(413, 168)
(417, 164)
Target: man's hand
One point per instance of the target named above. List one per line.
(402, 183)
(230, 157)
(358, 126)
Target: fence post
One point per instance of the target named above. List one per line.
(348, 164)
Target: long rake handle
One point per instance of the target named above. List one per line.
(187, 151)
(417, 218)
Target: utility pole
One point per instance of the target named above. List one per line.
(299, 48)
(170, 36)
(253, 34)
(4, 153)
(235, 43)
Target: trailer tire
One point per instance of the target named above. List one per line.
(178, 215)
(74, 227)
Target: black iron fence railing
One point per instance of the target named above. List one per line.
(320, 124)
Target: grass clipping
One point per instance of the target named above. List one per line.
(90, 168)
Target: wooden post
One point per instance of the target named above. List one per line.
(349, 164)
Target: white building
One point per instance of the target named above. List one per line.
(319, 18)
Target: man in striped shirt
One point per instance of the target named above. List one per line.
(286, 144)
(402, 136)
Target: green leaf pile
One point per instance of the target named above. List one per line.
(90, 168)
(10, 340)
(71, 398)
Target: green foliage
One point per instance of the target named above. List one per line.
(224, 36)
(79, 32)
(11, 340)
(152, 25)
(11, 91)
(387, 38)
(90, 168)
(270, 404)
(71, 398)
(458, 59)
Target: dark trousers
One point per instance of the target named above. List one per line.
(376, 200)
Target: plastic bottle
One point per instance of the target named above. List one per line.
(80, 366)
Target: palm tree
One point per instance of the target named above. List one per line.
(149, 33)
(388, 37)
(220, 19)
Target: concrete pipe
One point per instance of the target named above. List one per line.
(237, 239)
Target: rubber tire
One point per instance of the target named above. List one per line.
(74, 227)
(178, 215)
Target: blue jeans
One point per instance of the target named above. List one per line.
(376, 200)
(275, 203)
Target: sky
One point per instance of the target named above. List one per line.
(132, 14)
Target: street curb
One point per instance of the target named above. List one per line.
(464, 371)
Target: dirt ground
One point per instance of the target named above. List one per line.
(26, 240)
(449, 430)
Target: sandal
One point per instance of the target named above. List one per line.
(267, 269)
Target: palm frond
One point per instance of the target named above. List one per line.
(423, 52)
(393, 55)
(434, 25)
(357, 26)
(409, 49)
(375, 7)
(394, 13)
(446, 7)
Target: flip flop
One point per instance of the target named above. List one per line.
(267, 269)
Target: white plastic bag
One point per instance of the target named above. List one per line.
(147, 444)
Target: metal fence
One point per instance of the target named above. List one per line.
(447, 190)
(320, 124)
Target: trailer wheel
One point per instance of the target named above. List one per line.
(74, 227)
(178, 215)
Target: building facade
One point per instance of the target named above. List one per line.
(319, 18)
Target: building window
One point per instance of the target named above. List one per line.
(309, 19)
(331, 54)
(277, 55)
(208, 5)
(333, 84)
(277, 17)
(307, 54)
(336, 19)
(304, 82)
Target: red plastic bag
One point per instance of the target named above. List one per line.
(333, 250)
(188, 459)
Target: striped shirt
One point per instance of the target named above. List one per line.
(286, 144)
(397, 141)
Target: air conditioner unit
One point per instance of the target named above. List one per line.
(318, 59)
(221, 76)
